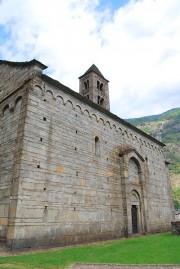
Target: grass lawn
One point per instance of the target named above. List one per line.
(152, 249)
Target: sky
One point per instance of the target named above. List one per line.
(134, 43)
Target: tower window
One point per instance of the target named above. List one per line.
(87, 96)
(99, 97)
(101, 87)
(100, 100)
(98, 84)
(86, 84)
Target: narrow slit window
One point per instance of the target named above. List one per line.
(98, 84)
(97, 146)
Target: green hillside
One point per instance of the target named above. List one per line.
(166, 128)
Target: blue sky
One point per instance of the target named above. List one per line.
(135, 44)
(113, 4)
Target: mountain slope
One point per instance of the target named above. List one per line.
(166, 128)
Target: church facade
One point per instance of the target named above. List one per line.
(70, 170)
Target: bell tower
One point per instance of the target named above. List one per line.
(94, 87)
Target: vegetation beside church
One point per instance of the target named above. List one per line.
(166, 128)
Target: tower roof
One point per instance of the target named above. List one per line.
(94, 69)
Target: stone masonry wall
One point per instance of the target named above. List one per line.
(70, 193)
(9, 121)
(12, 76)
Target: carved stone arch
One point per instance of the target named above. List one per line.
(37, 90)
(18, 100)
(120, 130)
(101, 121)
(126, 133)
(131, 136)
(108, 124)
(59, 99)
(135, 197)
(114, 127)
(86, 112)
(5, 109)
(69, 102)
(134, 170)
(94, 116)
(136, 138)
(133, 156)
(49, 95)
(78, 108)
(136, 216)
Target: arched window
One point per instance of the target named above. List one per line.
(98, 84)
(134, 170)
(100, 100)
(97, 146)
(85, 85)
(101, 87)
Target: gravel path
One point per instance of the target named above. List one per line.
(118, 266)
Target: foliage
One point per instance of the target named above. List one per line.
(147, 129)
(165, 126)
(152, 249)
(176, 198)
(168, 115)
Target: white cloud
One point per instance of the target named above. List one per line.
(137, 48)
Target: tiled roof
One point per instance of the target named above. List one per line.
(94, 69)
(23, 64)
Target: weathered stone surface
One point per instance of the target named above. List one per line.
(71, 171)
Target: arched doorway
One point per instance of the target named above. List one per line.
(135, 212)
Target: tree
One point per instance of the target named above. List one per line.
(176, 197)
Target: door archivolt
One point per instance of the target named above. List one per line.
(135, 212)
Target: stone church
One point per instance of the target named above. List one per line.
(70, 170)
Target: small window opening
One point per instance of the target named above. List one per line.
(44, 118)
(87, 96)
(101, 101)
(76, 173)
(38, 166)
(85, 85)
(97, 146)
(98, 84)
(45, 207)
(41, 139)
(101, 87)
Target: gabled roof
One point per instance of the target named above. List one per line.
(24, 64)
(94, 69)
